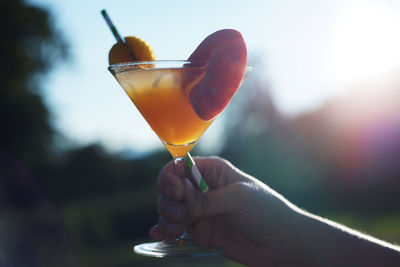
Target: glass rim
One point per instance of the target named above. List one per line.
(163, 64)
(140, 62)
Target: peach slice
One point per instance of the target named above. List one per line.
(226, 56)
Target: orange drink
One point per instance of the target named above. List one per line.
(162, 97)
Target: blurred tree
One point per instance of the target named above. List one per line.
(29, 47)
(356, 137)
(260, 141)
(340, 157)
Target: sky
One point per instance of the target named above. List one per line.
(309, 51)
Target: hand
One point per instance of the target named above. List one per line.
(239, 213)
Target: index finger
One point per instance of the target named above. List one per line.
(170, 180)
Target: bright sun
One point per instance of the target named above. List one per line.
(366, 43)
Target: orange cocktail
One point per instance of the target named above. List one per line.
(162, 97)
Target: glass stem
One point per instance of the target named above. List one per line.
(185, 235)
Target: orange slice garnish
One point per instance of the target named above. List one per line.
(140, 48)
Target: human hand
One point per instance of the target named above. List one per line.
(244, 216)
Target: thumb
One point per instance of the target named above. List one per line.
(226, 200)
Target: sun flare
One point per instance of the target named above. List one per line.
(366, 43)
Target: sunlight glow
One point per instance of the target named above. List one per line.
(366, 43)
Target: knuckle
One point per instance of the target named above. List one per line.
(220, 161)
(241, 190)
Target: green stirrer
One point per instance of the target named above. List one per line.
(196, 173)
(116, 34)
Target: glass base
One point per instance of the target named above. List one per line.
(182, 247)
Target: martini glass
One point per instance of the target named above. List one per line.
(160, 91)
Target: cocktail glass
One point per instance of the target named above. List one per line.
(160, 91)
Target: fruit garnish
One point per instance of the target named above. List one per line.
(140, 49)
(226, 56)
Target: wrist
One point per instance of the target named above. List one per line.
(302, 229)
(296, 231)
(286, 245)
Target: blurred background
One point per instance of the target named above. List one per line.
(318, 120)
